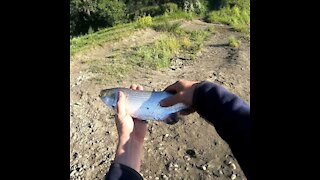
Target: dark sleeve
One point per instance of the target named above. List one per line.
(230, 116)
(122, 172)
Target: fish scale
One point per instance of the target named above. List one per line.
(144, 105)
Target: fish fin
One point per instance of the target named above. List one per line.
(172, 118)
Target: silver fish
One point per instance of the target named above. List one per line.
(144, 105)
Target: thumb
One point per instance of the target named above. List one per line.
(172, 100)
(121, 104)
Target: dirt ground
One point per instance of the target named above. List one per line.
(189, 149)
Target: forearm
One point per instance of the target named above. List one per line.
(230, 116)
(129, 152)
(227, 112)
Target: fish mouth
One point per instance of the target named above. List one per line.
(104, 93)
(101, 93)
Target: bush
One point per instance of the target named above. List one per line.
(233, 42)
(157, 55)
(145, 21)
(150, 10)
(166, 26)
(169, 8)
(110, 12)
(185, 42)
(237, 17)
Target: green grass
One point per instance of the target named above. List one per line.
(196, 39)
(234, 42)
(82, 43)
(98, 38)
(145, 21)
(118, 69)
(159, 54)
(237, 17)
(174, 16)
(167, 26)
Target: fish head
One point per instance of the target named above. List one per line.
(109, 97)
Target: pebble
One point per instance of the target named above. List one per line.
(233, 166)
(73, 172)
(204, 167)
(233, 176)
(164, 176)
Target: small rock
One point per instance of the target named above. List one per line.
(156, 178)
(220, 172)
(233, 166)
(166, 135)
(163, 176)
(242, 69)
(150, 177)
(176, 165)
(233, 176)
(73, 172)
(204, 167)
(78, 104)
(187, 158)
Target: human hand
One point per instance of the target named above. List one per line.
(183, 91)
(126, 125)
(131, 134)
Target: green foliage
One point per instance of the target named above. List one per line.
(166, 26)
(95, 14)
(234, 42)
(145, 21)
(169, 8)
(110, 12)
(150, 10)
(237, 17)
(157, 55)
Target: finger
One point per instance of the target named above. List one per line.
(173, 87)
(140, 88)
(172, 100)
(121, 104)
(133, 86)
(187, 111)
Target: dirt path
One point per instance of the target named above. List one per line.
(93, 135)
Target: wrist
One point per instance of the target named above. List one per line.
(129, 152)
